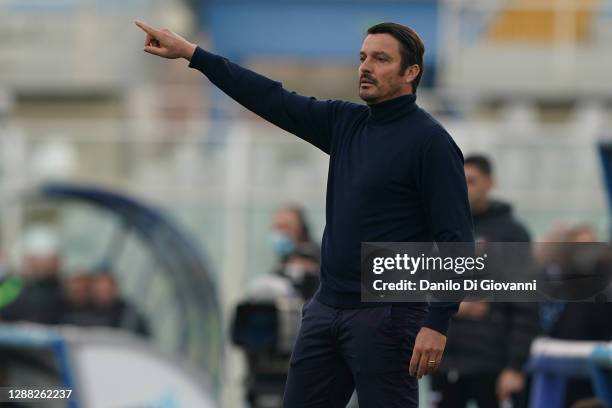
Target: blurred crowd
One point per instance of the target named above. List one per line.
(43, 293)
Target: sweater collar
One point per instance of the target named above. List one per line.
(392, 109)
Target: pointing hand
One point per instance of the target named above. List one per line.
(165, 43)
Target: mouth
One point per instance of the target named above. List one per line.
(366, 81)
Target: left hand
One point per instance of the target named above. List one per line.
(428, 346)
(509, 382)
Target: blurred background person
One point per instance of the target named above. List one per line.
(92, 298)
(494, 220)
(78, 308)
(40, 300)
(109, 308)
(488, 344)
(298, 255)
(579, 321)
(266, 322)
(290, 230)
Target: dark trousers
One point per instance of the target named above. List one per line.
(339, 350)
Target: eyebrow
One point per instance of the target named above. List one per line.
(376, 54)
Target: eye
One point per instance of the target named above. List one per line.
(361, 58)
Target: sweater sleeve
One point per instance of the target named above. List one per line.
(305, 117)
(444, 197)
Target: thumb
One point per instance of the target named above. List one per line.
(154, 50)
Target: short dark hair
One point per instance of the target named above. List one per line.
(482, 162)
(411, 46)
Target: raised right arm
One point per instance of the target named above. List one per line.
(305, 117)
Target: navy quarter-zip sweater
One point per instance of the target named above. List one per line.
(395, 174)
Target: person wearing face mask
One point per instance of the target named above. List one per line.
(293, 281)
(290, 231)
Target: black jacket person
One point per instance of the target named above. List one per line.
(489, 342)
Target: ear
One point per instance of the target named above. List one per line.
(411, 73)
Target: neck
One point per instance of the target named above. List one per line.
(403, 92)
(392, 109)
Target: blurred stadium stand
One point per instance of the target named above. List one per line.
(542, 49)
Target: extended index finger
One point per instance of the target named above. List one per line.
(145, 27)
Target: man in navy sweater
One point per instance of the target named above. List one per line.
(395, 175)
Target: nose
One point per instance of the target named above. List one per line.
(365, 66)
